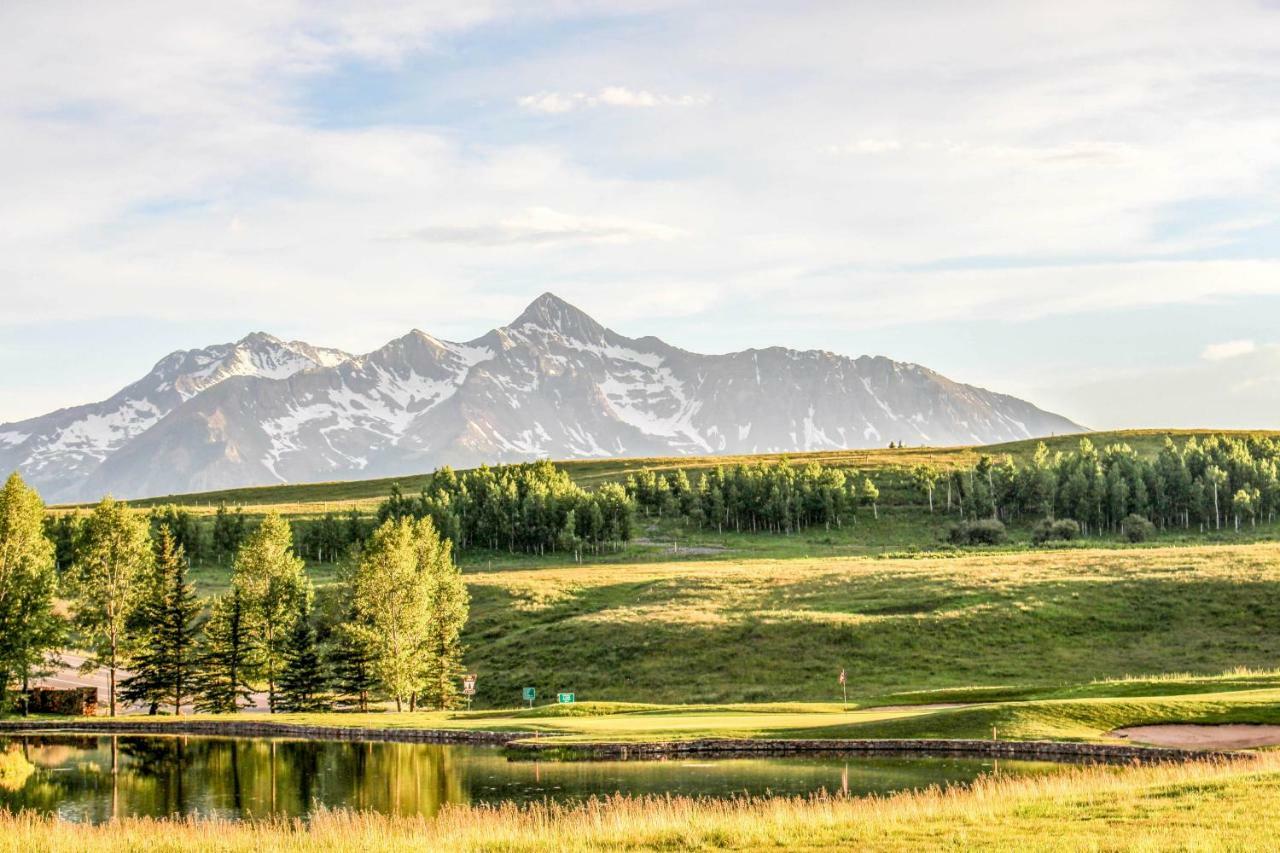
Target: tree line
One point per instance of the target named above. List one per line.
(391, 628)
(777, 498)
(1216, 482)
(532, 508)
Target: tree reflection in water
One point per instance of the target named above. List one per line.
(241, 777)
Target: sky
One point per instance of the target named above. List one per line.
(1076, 203)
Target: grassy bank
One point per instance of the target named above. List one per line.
(1227, 805)
(1228, 699)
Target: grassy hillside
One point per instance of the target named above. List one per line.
(972, 627)
(310, 498)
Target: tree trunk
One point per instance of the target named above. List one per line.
(111, 681)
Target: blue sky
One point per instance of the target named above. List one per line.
(1076, 203)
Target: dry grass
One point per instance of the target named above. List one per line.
(1209, 806)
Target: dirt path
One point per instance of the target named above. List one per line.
(1188, 736)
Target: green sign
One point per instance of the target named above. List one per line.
(530, 694)
(565, 698)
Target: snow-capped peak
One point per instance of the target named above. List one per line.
(549, 314)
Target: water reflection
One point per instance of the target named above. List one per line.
(95, 778)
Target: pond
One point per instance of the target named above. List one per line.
(71, 776)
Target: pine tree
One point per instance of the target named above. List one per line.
(165, 625)
(351, 666)
(303, 681)
(226, 658)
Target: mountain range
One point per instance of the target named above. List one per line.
(552, 383)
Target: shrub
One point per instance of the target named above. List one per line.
(987, 531)
(1055, 530)
(1137, 529)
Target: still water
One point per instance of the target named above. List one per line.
(72, 776)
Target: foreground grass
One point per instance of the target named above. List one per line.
(1226, 805)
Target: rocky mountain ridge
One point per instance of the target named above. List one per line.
(553, 383)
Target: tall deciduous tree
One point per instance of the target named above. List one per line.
(926, 477)
(409, 608)
(114, 554)
(449, 605)
(871, 495)
(164, 660)
(29, 628)
(273, 589)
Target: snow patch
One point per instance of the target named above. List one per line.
(11, 437)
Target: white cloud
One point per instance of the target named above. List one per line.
(542, 226)
(1242, 392)
(153, 154)
(609, 96)
(1228, 349)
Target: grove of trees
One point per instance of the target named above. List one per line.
(134, 609)
(532, 508)
(115, 582)
(1209, 484)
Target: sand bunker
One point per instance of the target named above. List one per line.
(1187, 736)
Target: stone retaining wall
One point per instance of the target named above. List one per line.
(251, 728)
(529, 744)
(993, 748)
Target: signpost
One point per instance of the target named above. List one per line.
(565, 698)
(844, 688)
(530, 693)
(469, 687)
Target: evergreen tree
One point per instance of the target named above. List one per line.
(303, 682)
(352, 667)
(115, 554)
(29, 628)
(182, 528)
(225, 658)
(165, 625)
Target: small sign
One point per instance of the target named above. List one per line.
(530, 694)
(469, 682)
(469, 690)
(565, 698)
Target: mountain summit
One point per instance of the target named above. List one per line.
(553, 383)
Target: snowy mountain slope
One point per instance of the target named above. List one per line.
(553, 383)
(59, 450)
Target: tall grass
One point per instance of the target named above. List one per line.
(1228, 804)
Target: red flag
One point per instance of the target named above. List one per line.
(842, 676)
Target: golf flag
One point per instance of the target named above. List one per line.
(842, 676)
